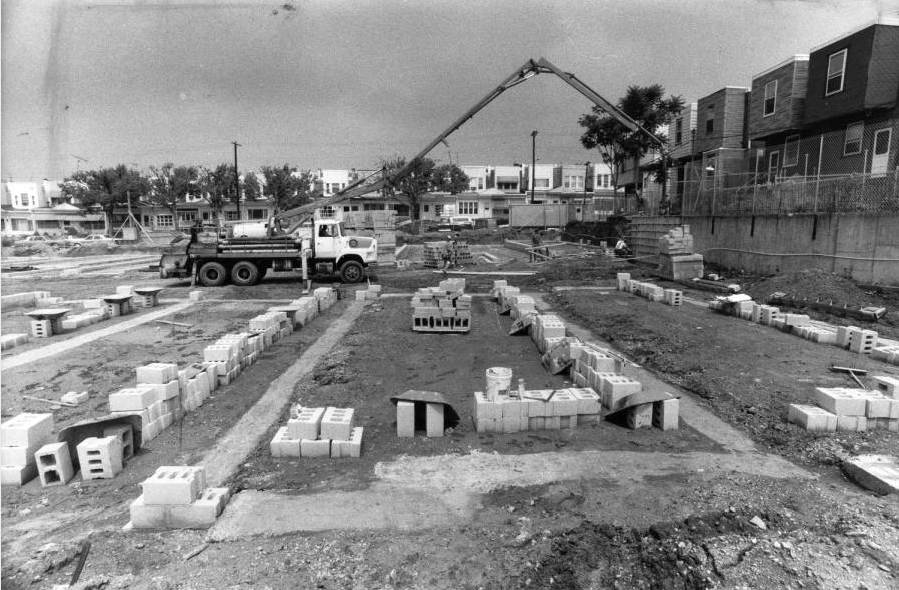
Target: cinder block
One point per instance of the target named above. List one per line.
(435, 424)
(41, 328)
(508, 408)
(284, 446)
(125, 434)
(889, 386)
(878, 405)
(812, 418)
(306, 424)
(665, 414)
(133, 398)
(617, 387)
(315, 448)
(588, 401)
(485, 409)
(639, 416)
(405, 419)
(163, 390)
(197, 515)
(552, 423)
(100, 458)
(174, 484)
(337, 423)
(26, 430)
(17, 475)
(13, 456)
(564, 403)
(841, 401)
(54, 464)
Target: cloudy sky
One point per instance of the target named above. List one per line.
(345, 83)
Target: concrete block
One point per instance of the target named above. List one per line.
(54, 464)
(284, 446)
(485, 409)
(878, 405)
(665, 414)
(434, 419)
(878, 473)
(552, 423)
(17, 475)
(306, 424)
(197, 515)
(315, 448)
(41, 328)
(13, 456)
(348, 448)
(26, 430)
(100, 458)
(639, 416)
(510, 425)
(405, 419)
(508, 408)
(841, 401)
(174, 484)
(812, 418)
(133, 398)
(75, 397)
(889, 386)
(158, 373)
(615, 388)
(337, 423)
(588, 401)
(564, 403)
(125, 434)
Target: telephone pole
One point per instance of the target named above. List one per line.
(236, 181)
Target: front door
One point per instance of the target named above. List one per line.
(881, 156)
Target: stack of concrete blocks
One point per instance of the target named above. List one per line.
(318, 432)
(445, 308)
(23, 299)
(862, 341)
(308, 310)
(522, 305)
(20, 437)
(100, 457)
(589, 366)
(164, 380)
(194, 386)
(505, 296)
(650, 291)
(272, 325)
(8, 341)
(676, 259)
(176, 497)
(544, 328)
(459, 253)
(226, 354)
(146, 297)
(816, 334)
(54, 464)
(621, 279)
(95, 310)
(326, 297)
(497, 286)
(673, 297)
(144, 401)
(405, 419)
(565, 409)
(768, 314)
(888, 353)
(847, 410)
(372, 292)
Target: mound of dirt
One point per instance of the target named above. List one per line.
(815, 285)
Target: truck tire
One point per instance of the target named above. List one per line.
(244, 274)
(351, 272)
(213, 274)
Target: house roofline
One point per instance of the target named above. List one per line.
(796, 58)
(882, 19)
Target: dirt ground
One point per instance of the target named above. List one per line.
(600, 506)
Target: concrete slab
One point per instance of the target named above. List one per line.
(878, 473)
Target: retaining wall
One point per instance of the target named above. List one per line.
(863, 247)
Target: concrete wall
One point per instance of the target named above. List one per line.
(863, 247)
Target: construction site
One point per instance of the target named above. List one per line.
(570, 420)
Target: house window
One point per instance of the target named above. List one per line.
(326, 212)
(468, 207)
(770, 97)
(605, 180)
(257, 213)
(438, 210)
(231, 216)
(541, 183)
(425, 208)
(678, 131)
(853, 143)
(165, 221)
(710, 120)
(507, 186)
(573, 181)
(186, 218)
(791, 151)
(836, 67)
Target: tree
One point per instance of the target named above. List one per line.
(285, 189)
(107, 188)
(615, 143)
(418, 180)
(250, 187)
(170, 184)
(218, 186)
(450, 178)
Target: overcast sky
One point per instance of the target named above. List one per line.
(344, 83)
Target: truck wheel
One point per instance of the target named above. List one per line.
(244, 274)
(213, 274)
(351, 272)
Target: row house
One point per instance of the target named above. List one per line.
(28, 207)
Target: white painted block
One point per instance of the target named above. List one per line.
(889, 386)
(315, 448)
(174, 484)
(17, 475)
(665, 414)
(26, 429)
(100, 458)
(132, 399)
(812, 418)
(54, 464)
(435, 424)
(306, 424)
(337, 423)
(841, 401)
(405, 419)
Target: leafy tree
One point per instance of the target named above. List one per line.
(285, 189)
(450, 178)
(250, 187)
(615, 143)
(107, 188)
(217, 185)
(170, 184)
(418, 180)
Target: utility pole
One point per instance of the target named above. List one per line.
(533, 163)
(236, 181)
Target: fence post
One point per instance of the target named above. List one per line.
(818, 175)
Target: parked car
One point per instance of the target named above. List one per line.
(458, 222)
(445, 224)
(91, 239)
(38, 239)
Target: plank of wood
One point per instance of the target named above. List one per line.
(174, 323)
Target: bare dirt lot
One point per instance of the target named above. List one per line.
(735, 498)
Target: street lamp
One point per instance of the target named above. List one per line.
(714, 171)
(533, 162)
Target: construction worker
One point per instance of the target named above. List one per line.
(621, 248)
(448, 252)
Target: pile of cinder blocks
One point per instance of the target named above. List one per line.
(372, 292)
(851, 409)
(176, 497)
(677, 262)
(445, 308)
(270, 327)
(20, 437)
(650, 291)
(559, 409)
(318, 432)
(458, 251)
(326, 297)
